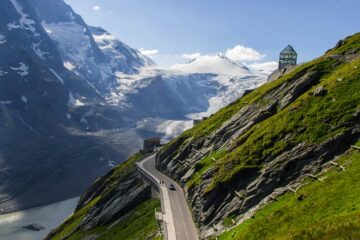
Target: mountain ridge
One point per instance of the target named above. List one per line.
(238, 162)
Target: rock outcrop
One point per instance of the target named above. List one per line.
(108, 200)
(34, 227)
(280, 72)
(233, 158)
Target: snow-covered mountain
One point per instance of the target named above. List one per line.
(57, 132)
(74, 100)
(203, 85)
(90, 52)
(216, 64)
(233, 78)
(121, 57)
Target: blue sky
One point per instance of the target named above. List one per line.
(172, 27)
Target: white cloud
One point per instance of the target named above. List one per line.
(96, 8)
(149, 52)
(190, 56)
(265, 67)
(241, 53)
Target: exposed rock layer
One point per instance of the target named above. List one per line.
(212, 204)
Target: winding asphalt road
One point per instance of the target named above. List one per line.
(176, 214)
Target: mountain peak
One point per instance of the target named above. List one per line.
(213, 64)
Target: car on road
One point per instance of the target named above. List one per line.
(172, 187)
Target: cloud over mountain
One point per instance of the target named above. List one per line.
(242, 53)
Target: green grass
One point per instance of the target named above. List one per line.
(308, 120)
(202, 166)
(352, 43)
(329, 210)
(73, 222)
(107, 186)
(138, 224)
(119, 173)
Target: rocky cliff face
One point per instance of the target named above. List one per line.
(249, 154)
(265, 143)
(108, 204)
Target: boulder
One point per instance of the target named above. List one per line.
(34, 227)
(320, 91)
(246, 92)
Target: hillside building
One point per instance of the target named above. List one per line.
(288, 57)
(150, 144)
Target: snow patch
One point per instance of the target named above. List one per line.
(68, 116)
(73, 43)
(57, 76)
(71, 16)
(73, 102)
(47, 30)
(24, 99)
(36, 48)
(22, 70)
(111, 163)
(105, 39)
(2, 73)
(5, 102)
(24, 22)
(2, 39)
(68, 65)
(13, 25)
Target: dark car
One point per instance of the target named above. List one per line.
(172, 187)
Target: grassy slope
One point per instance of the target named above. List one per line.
(71, 223)
(309, 119)
(139, 224)
(133, 227)
(334, 206)
(314, 117)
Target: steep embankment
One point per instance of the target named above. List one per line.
(241, 167)
(117, 206)
(268, 141)
(327, 209)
